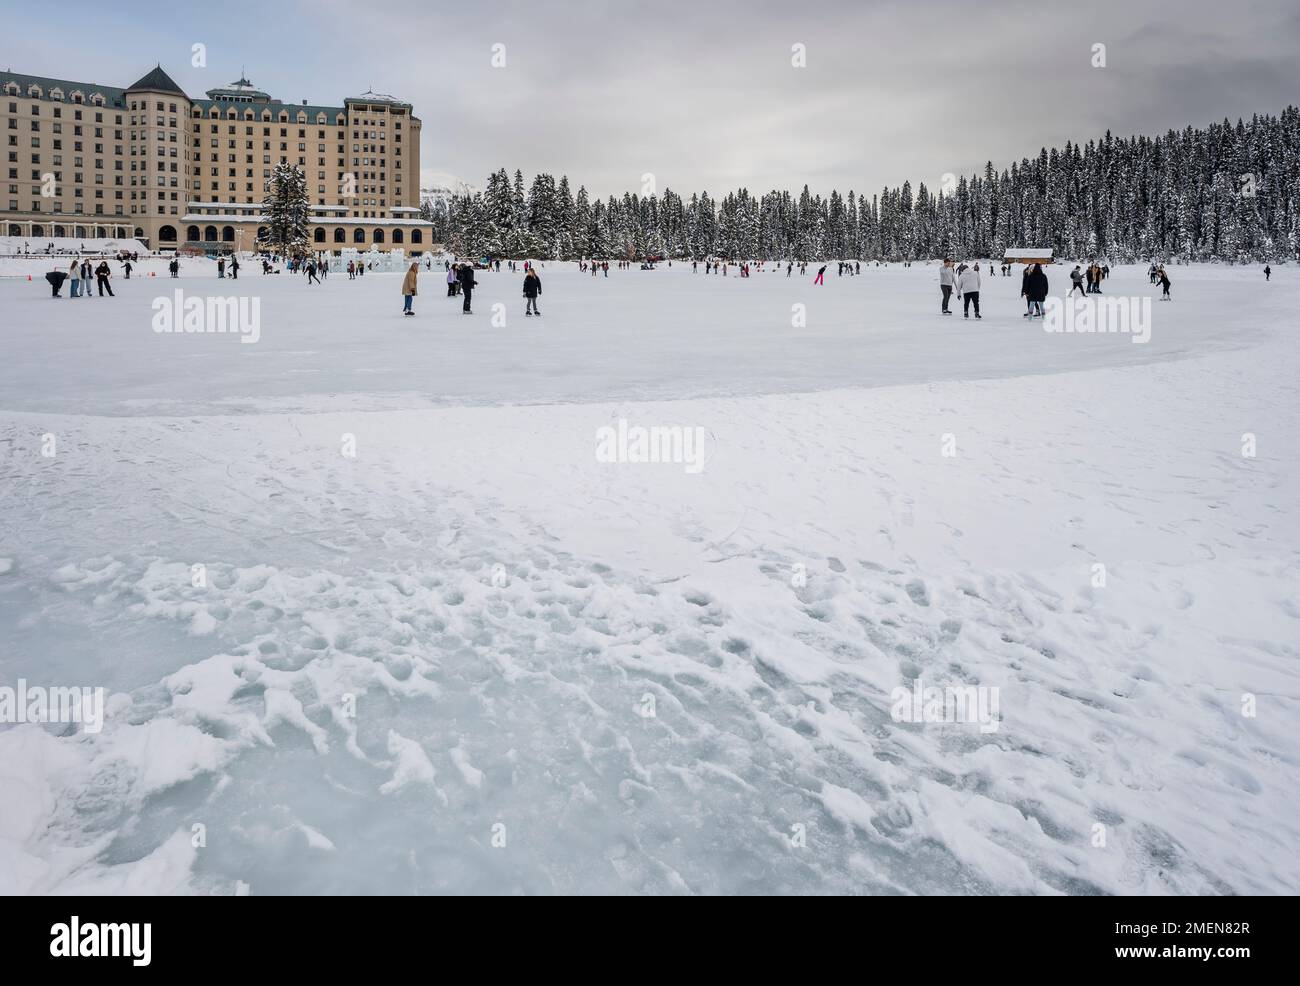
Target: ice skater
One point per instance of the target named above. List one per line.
(56, 279)
(1076, 278)
(947, 281)
(467, 284)
(408, 288)
(1036, 289)
(968, 287)
(102, 274)
(821, 276)
(1164, 285)
(532, 288)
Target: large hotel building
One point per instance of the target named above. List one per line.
(87, 160)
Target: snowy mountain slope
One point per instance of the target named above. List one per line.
(438, 186)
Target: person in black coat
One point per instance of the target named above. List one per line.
(56, 279)
(1036, 290)
(467, 285)
(102, 274)
(532, 288)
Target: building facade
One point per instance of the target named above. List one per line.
(87, 160)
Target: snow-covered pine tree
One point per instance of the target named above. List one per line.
(564, 208)
(285, 211)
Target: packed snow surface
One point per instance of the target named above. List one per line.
(372, 615)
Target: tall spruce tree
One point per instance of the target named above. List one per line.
(285, 212)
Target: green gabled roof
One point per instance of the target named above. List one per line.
(113, 96)
(156, 80)
(275, 108)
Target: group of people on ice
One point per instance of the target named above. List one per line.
(81, 277)
(1157, 275)
(461, 281)
(965, 280)
(1094, 275)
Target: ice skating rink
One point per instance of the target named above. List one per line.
(369, 608)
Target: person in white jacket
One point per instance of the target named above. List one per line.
(947, 281)
(968, 287)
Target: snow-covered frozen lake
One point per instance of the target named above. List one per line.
(636, 335)
(438, 645)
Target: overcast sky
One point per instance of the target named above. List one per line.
(703, 94)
